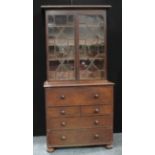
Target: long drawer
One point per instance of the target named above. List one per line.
(79, 122)
(89, 95)
(79, 137)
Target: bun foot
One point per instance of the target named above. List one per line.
(109, 146)
(50, 149)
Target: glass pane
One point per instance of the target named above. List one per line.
(61, 48)
(60, 20)
(91, 47)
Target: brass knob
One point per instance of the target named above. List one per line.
(62, 97)
(63, 138)
(96, 122)
(97, 110)
(62, 112)
(63, 123)
(96, 96)
(96, 136)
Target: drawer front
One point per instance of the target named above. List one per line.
(63, 111)
(96, 110)
(79, 122)
(79, 95)
(79, 137)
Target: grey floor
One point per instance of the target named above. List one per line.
(40, 148)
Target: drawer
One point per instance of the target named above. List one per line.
(79, 137)
(63, 111)
(79, 122)
(90, 95)
(96, 110)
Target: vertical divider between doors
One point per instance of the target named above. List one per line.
(77, 46)
(105, 45)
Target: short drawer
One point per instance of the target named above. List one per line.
(63, 111)
(79, 137)
(79, 122)
(90, 95)
(96, 110)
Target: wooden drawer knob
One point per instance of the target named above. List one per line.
(96, 96)
(97, 110)
(62, 97)
(63, 138)
(96, 122)
(96, 136)
(62, 112)
(63, 123)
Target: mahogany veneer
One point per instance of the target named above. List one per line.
(79, 98)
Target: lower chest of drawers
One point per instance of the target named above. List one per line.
(79, 118)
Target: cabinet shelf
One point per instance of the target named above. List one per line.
(57, 59)
(91, 25)
(58, 42)
(72, 25)
(73, 59)
(89, 58)
(63, 26)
